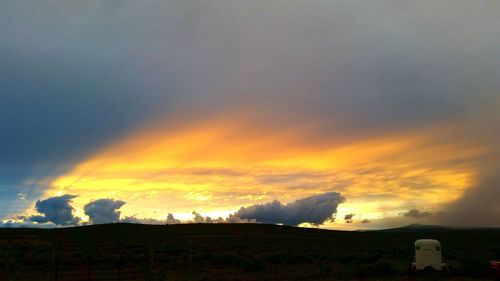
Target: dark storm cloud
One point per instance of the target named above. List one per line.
(315, 209)
(348, 218)
(414, 213)
(103, 210)
(77, 76)
(479, 206)
(56, 210)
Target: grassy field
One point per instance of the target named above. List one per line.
(235, 252)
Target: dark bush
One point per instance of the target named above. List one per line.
(253, 265)
(377, 269)
(275, 258)
(475, 266)
(346, 258)
(226, 259)
(368, 257)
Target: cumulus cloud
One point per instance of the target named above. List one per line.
(198, 218)
(315, 210)
(348, 218)
(56, 210)
(26, 224)
(103, 210)
(170, 219)
(107, 210)
(233, 218)
(414, 213)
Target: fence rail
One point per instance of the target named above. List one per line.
(106, 262)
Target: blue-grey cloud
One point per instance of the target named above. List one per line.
(414, 213)
(348, 218)
(315, 209)
(170, 219)
(26, 224)
(56, 210)
(103, 210)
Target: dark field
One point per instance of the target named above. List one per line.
(235, 252)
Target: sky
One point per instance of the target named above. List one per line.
(332, 114)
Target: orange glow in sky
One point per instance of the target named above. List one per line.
(217, 166)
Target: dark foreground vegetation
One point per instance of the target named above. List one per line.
(235, 252)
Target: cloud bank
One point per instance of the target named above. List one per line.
(315, 209)
(103, 210)
(56, 210)
(414, 213)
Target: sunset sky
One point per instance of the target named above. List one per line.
(337, 114)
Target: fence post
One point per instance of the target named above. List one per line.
(53, 266)
(8, 262)
(190, 259)
(275, 271)
(119, 265)
(90, 259)
(150, 267)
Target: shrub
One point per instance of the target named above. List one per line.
(475, 266)
(253, 265)
(377, 269)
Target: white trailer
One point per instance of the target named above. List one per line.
(428, 255)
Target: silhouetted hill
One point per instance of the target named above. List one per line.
(433, 228)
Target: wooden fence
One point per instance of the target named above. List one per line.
(28, 260)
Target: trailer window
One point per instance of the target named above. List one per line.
(417, 247)
(438, 248)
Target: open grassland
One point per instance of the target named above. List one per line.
(235, 252)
